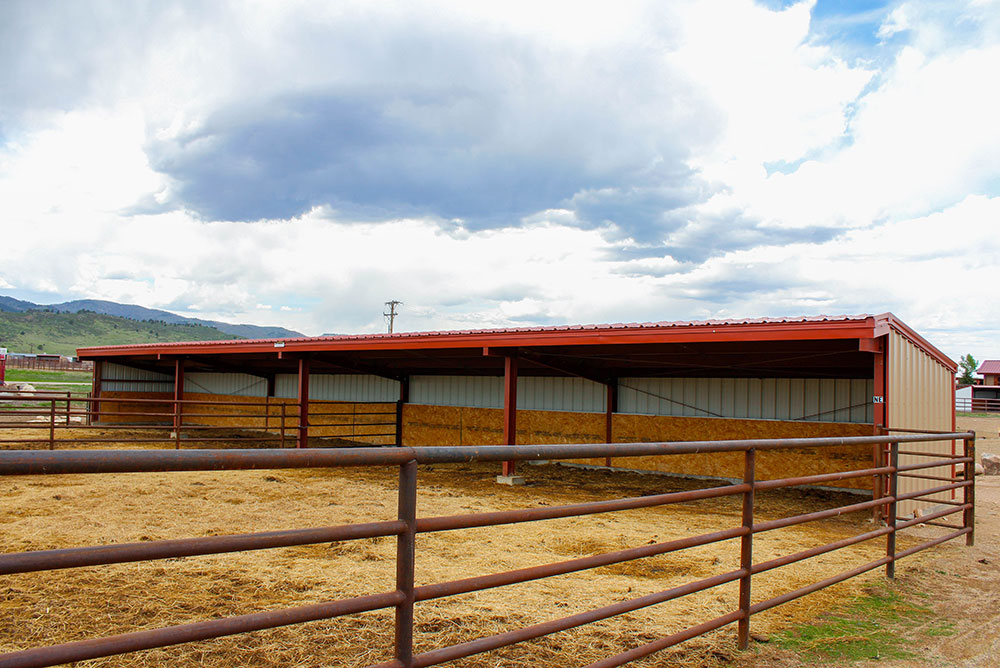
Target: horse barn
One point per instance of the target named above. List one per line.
(621, 383)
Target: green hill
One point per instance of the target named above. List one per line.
(63, 333)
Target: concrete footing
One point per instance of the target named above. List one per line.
(510, 479)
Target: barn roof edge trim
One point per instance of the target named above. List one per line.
(748, 329)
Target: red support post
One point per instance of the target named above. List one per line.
(94, 406)
(611, 408)
(303, 438)
(269, 394)
(404, 398)
(178, 398)
(969, 475)
(746, 548)
(52, 424)
(890, 538)
(879, 482)
(405, 561)
(282, 428)
(509, 409)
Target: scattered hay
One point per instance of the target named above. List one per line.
(63, 511)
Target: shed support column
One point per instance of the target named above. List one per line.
(610, 410)
(178, 398)
(303, 438)
(404, 398)
(94, 408)
(879, 413)
(507, 475)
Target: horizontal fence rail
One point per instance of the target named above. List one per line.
(404, 599)
(190, 421)
(977, 405)
(47, 364)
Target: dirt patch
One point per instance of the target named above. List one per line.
(958, 584)
(987, 432)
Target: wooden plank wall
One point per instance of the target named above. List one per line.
(447, 425)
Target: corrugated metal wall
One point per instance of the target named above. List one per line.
(127, 377)
(533, 393)
(561, 394)
(819, 400)
(920, 395)
(338, 387)
(812, 399)
(472, 391)
(232, 384)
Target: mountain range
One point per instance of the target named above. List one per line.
(141, 313)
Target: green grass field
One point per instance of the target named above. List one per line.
(63, 333)
(34, 377)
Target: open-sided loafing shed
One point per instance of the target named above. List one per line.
(663, 381)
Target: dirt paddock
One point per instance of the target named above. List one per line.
(45, 512)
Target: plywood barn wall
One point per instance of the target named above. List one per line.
(452, 425)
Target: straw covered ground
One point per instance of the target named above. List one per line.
(45, 512)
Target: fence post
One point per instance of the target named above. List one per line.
(282, 425)
(177, 424)
(890, 538)
(405, 558)
(52, 424)
(746, 548)
(69, 397)
(969, 474)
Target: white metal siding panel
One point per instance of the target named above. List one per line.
(560, 394)
(782, 395)
(768, 393)
(715, 396)
(232, 384)
(473, 391)
(156, 382)
(338, 387)
(814, 399)
(796, 398)
(286, 385)
(352, 387)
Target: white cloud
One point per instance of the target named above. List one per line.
(899, 153)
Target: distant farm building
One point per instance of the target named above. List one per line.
(985, 396)
(666, 381)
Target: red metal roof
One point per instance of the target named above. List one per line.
(515, 335)
(989, 366)
(687, 331)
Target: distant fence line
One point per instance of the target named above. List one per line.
(977, 405)
(47, 364)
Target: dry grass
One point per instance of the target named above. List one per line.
(62, 511)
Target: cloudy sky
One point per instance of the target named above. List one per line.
(506, 163)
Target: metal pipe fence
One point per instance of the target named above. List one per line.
(177, 421)
(47, 364)
(408, 525)
(977, 405)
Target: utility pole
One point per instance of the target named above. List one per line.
(391, 314)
